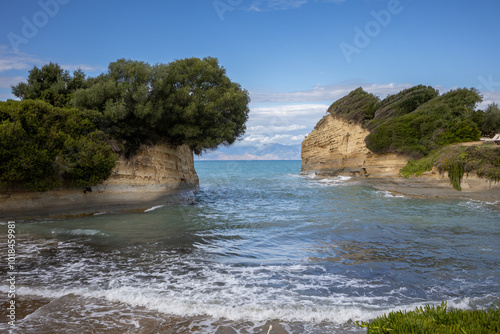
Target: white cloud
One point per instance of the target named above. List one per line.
(10, 60)
(18, 61)
(285, 117)
(276, 128)
(284, 139)
(246, 156)
(6, 82)
(260, 6)
(489, 97)
(267, 5)
(327, 93)
(281, 123)
(83, 67)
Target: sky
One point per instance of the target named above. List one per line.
(295, 57)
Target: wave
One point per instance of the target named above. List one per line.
(154, 208)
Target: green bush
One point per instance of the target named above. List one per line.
(50, 83)
(43, 147)
(359, 106)
(442, 120)
(403, 103)
(484, 160)
(436, 319)
(491, 120)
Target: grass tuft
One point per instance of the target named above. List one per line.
(436, 319)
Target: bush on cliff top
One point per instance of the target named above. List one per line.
(42, 147)
(359, 106)
(415, 121)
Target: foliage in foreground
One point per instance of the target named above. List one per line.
(436, 319)
(43, 147)
(458, 160)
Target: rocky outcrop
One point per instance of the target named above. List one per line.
(337, 147)
(157, 175)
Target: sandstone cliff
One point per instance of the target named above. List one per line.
(157, 175)
(337, 147)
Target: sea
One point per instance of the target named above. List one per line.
(262, 250)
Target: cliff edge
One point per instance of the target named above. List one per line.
(157, 175)
(337, 147)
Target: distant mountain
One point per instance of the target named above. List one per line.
(262, 152)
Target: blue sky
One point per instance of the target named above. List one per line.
(290, 54)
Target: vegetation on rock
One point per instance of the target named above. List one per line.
(359, 106)
(457, 160)
(418, 122)
(414, 121)
(62, 131)
(43, 147)
(189, 101)
(51, 84)
(436, 319)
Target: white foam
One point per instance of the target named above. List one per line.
(388, 194)
(77, 232)
(154, 208)
(258, 293)
(476, 204)
(100, 213)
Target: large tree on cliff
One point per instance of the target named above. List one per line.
(189, 101)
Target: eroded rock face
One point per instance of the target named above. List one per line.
(158, 175)
(337, 147)
(159, 166)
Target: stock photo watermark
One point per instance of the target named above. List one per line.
(373, 28)
(223, 6)
(11, 272)
(31, 26)
(488, 83)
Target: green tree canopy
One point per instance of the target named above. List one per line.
(189, 101)
(42, 146)
(415, 120)
(50, 83)
(491, 123)
(442, 120)
(358, 106)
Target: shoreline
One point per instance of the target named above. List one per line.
(68, 203)
(430, 187)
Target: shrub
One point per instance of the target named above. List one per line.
(443, 120)
(458, 160)
(491, 120)
(436, 319)
(43, 147)
(359, 106)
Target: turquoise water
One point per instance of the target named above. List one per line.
(262, 245)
